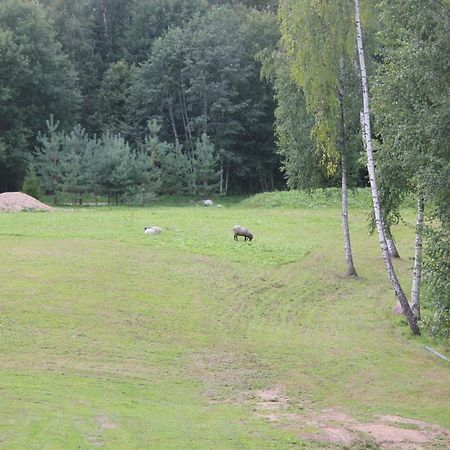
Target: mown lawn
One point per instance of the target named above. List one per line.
(111, 338)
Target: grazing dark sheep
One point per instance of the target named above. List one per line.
(241, 231)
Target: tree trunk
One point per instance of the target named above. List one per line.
(221, 175)
(351, 271)
(105, 19)
(390, 242)
(417, 274)
(391, 245)
(205, 107)
(227, 178)
(263, 183)
(172, 121)
(184, 104)
(412, 321)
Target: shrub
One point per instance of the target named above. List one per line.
(31, 184)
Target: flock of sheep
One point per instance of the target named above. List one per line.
(237, 229)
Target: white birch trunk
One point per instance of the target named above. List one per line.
(373, 183)
(391, 242)
(351, 271)
(392, 248)
(227, 177)
(417, 274)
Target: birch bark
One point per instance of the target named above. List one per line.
(351, 271)
(391, 246)
(417, 274)
(412, 321)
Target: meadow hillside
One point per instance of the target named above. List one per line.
(188, 340)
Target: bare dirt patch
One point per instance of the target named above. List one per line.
(387, 433)
(336, 428)
(105, 423)
(228, 378)
(18, 201)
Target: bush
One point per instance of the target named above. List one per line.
(31, 184)
(318, 198)
(437, 280)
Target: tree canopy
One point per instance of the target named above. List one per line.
(36, 80)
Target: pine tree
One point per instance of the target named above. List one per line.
(48, 157)
(176, 170)
(205, 166)
(74, 147)
(114, 165)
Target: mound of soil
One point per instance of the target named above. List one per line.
(18, 201)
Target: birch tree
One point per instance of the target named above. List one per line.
(367, 138)
(319, 46)
(293, 125)
(411, 107)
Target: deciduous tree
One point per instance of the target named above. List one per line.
(317, 40)
(367, 137)
(412, 110)
(36, 80)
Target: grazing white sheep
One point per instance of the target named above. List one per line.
(241, 231)
(208, 203)
(152, 230)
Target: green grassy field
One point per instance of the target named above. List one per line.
(111, 338)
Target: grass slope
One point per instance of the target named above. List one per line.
(116, 339)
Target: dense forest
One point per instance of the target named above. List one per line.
(101, 71)
(132, 99)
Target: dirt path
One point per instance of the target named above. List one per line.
(339, 430)
(226, 381)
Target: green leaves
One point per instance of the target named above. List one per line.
(36, 80)
(204, 79)
(206, 174)
(411, 103)
(112, 97)
(317, 42)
